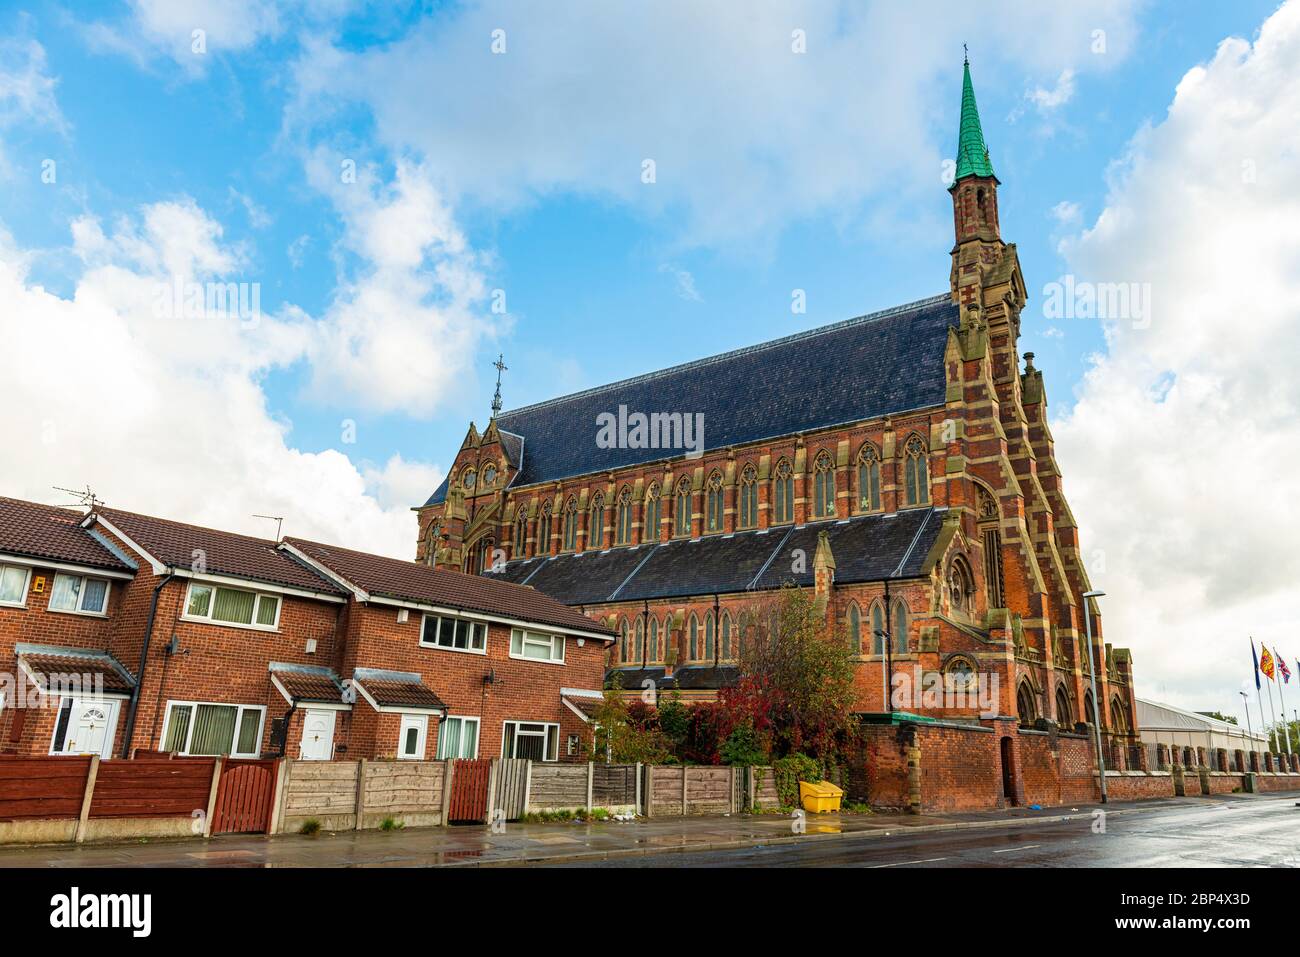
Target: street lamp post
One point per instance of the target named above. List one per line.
(1250, 741)
(1092, 676)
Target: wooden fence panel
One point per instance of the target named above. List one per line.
(42, 787)
(558, 786)
(406, 790)
(512, 781)
(708, 790)
(244, 797)
(325, 791)
(152, 788)
(765, 795)
(469, 790)
(613, 785)
(667, 791)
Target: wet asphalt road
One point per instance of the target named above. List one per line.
(1244, 833)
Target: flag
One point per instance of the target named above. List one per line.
(1266, 663)
(1286, 672)
(1255, 661)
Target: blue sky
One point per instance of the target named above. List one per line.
(520, 171)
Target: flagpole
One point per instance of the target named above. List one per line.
(1270, 710)
(1259, 695)
(1281, 698)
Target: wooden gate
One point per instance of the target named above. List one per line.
(469, 790)
(244, 796)
(512, 784)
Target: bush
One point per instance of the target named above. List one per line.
(789, 772)
(310, 827)
(743, 748)
(391, 824)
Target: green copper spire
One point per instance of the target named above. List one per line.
(972, 151)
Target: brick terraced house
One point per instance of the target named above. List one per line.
(121, 631)
(899, 463)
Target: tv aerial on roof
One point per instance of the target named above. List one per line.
(84, 496)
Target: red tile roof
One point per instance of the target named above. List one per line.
(402, 694)
(33, 530)
(224, 553)
(79, 673)
(411, 581)
(309, 686)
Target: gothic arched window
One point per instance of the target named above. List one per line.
(1064, 713)
(916, 472)
(640, 637)
(868, 479)
(749, 497)
(901, 622)
(708, 636)
(726, 636)
(432, 541)
(622, 641)
(623, 533)
(695, 638)
(654, 640)
(650, 524)
(713, 503)
(877, 626)
(570, 525)
(823, 486)
(1026, 708)
(543, 546)
(1118, 717)
(855, 628)
(596, 522)
(783, 493)
(961, 587)
(521, 532)
(682, 508)
(489, 475)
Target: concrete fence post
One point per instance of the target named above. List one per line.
(217, 765)
(1180, 784)
(277, 796)
(361, 793)
(86, 796)
(447, 768)
(750, 797)
(528, 784)
(649, 790)
(636, 808)
(492, 791)
(686, 774)
(591, 778)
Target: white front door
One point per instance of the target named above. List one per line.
(410, 743)
(317, 736)
(89, 729)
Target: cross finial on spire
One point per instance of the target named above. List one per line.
(501, 367)
(965, 55)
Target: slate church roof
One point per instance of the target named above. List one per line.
(866, 548)
(863, 368)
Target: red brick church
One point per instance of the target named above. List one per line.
(899, 463)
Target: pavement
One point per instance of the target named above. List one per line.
(1059, 837)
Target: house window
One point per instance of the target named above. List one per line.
(749, 497)
(855, 629)
(194, 727)
(13, 584)
(411, 735)
(624, 532)
(682, 508)
(713, 501)
(650, 527)
(596, 524)
(535, 740)
(86, 596)
(824, 486)
(536, 646)
(458, 738)
(916, 474)
(454, 634)
(868, 479)
(783, 493)
(232, 606)
(571, 746)
(571, 524)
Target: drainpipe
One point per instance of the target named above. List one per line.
(288, 717)
(144, 658)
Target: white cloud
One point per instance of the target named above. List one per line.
(1067, 213)
(26, 88)
(168, 416)
(1181, 452)
(745, 133)
(684, 282)
(1046, 100)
